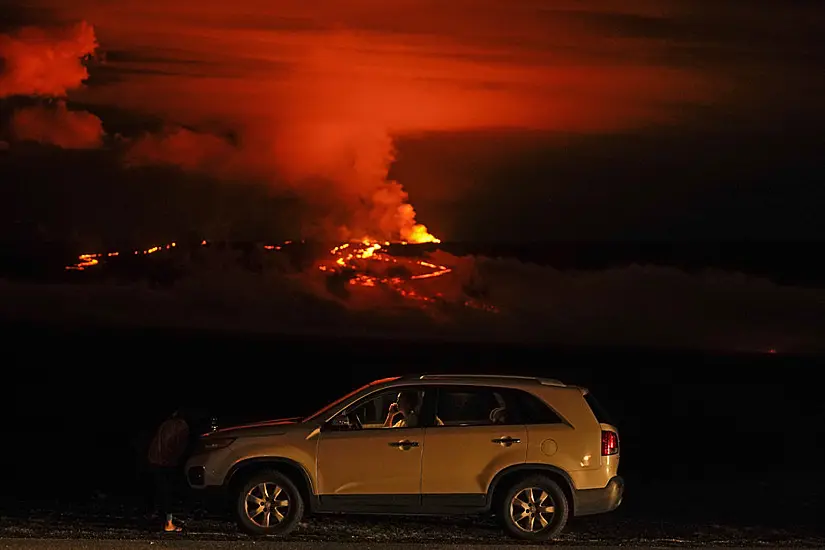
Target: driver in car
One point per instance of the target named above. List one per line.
(405, 406)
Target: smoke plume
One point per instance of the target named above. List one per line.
(48, 63)
(58, 126)
(185, 149)
(314, 98)
(41, 62)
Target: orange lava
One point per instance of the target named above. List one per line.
(89, 260)
(367, 264)
(365, 261)
(353, 256)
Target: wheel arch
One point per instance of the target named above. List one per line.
(242, 470)
(508, 476)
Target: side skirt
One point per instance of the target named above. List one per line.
(425, 505)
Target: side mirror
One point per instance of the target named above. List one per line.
(339, 423)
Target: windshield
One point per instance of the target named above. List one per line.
(351, 394)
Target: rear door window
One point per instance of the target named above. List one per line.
(469, 406)
(532, 410)
(489, 405)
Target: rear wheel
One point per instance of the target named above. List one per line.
(268, 504)
(534, 509)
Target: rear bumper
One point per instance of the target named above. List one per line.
(598, 501)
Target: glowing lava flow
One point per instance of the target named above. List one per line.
(346, 256)
(354, 255)
(89, 260)
(367, 265)
(364, 263)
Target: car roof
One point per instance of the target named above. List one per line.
(484, 379)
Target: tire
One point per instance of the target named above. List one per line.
(510, 510)
(255, 521)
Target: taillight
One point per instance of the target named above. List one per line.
(610, 443)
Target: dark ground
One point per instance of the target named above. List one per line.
(715, 449)
(91, 544)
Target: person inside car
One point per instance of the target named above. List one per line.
(405, 406)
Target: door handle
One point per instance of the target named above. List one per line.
(506, 441)
(405, 445)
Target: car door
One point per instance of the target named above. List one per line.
(468, 447)
(372, 468)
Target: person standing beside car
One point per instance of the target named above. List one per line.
(166, 453)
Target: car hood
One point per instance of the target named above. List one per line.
(265, 427)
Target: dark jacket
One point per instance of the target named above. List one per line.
(170, 443)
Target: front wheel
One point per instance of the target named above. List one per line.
(534, 509)
(268, 504)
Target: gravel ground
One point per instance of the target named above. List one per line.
(88, 544)
(111, 520)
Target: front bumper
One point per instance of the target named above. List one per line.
(201, 471)
(196, 476)
(588, 502)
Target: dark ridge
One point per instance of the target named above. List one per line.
(108, 337)
(784, 262)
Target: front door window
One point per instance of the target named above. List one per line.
(374, 448)
(397, 408)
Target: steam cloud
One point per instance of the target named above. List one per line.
(57, 126)
(40, 62)
(49, 63)
(350, 165)
(315, 97)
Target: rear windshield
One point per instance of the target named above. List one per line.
(598, 410)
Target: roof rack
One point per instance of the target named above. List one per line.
(536, 379)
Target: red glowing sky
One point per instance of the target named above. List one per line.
(322, 89)
(404, 66)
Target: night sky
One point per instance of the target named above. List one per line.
(503, 120)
